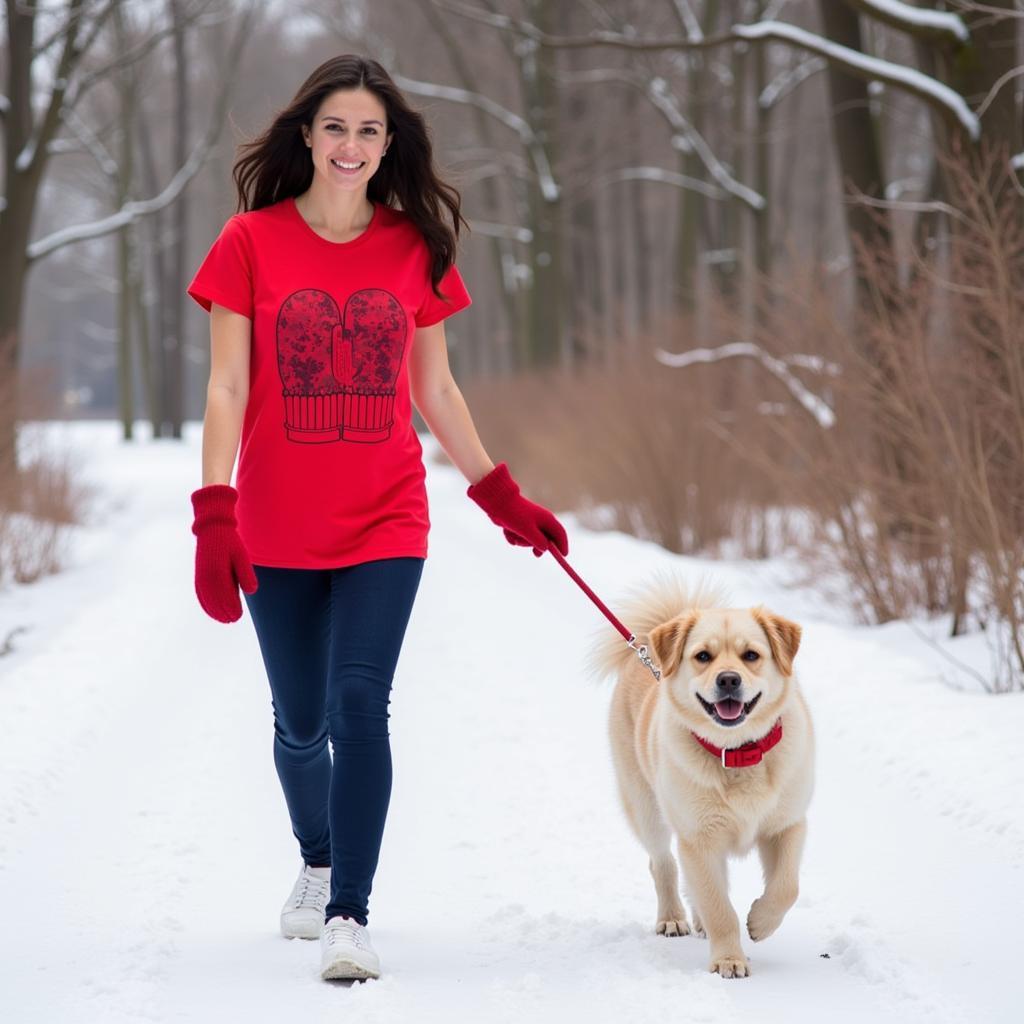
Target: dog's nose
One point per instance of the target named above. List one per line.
(728, 682)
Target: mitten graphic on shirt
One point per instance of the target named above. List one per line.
(367, 361)
(339, 377)
(313, 400)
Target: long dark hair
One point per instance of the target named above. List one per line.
(276, 164)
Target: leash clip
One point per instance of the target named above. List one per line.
(641, 653)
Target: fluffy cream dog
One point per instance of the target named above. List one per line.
(726, 683)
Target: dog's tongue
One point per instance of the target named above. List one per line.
(729, 709)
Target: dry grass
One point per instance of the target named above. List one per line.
(915, 495)
(40, 498)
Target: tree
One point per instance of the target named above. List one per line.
(70, 46)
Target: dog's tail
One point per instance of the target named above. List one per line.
(643, 607)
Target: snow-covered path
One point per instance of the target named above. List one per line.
(145, 849)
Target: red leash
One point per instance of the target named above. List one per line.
(630, 638)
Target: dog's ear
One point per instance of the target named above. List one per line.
(783, 637)
(669, 639)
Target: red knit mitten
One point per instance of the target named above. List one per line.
(525, 523)
(222, 563)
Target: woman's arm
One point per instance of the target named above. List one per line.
(226, 394)
(440, 403)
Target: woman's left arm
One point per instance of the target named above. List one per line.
(439, 401)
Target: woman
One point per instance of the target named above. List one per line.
(326, 307)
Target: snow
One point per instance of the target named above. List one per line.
(913, 16)
(145, 848)
(882, 70)
(816, 406)
(662, 97)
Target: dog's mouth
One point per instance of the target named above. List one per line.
(729, 711)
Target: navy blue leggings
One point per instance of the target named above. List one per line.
(330, 640)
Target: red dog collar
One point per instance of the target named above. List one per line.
(749, 754)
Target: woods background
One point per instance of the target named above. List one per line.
(746, 275)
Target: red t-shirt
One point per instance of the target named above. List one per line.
(330, 471)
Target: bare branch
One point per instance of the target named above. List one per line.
(816, 406)
(987, 101)
(597, 38)
(140, 208)
(134, 54)
(657, 174)
(35, 147)
(933, 92)
(688, 20)
(784, 83)
(89, 140)
(998, 13)
(548, 185)
(492, 230)
(687, 138)
(936, 94)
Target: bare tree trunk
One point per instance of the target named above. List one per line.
(26, 141)
(762, 220)
(691, 203)
(174, 340)
(126, 96)
(502, 250)
(154, 370)
(547, 293)
(856, 137)
(727, 268)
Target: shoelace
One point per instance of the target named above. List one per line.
(347, 931)
(311, 892)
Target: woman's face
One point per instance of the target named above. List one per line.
(348, 138)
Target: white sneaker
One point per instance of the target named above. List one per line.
(346, 952)
(302, 916)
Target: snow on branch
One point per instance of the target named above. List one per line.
(688, 20)
(135, 209)
(687, 137)
(931, 91)
(658, 92)
(916, 20)
(493, 230)
(128, 213)
(816, 406)
(548, 185)
(783, 84)
(871, 68)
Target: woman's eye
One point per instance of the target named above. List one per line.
(370, 131)
(702, 656)
(750, 655)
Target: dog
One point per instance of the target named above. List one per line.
(726, 682)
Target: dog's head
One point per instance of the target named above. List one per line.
(727, 666)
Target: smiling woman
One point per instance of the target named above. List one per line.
(348, 157)
(327, 296)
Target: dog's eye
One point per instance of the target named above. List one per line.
(750, 655)
(702, 656)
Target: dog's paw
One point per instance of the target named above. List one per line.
(672, 926)
(763, 919)
(730, 965)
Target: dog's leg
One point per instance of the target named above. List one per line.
(707, 883)
(780, 858)
(671, 915)
(645, 817)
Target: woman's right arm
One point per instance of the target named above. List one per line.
(227, 392)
